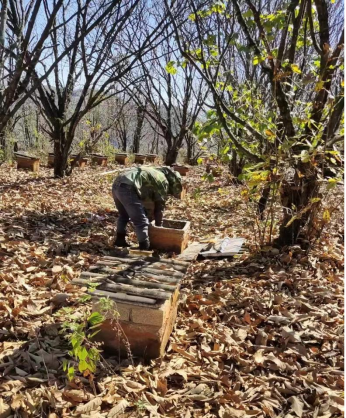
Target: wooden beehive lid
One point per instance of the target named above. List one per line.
(146, 281)
(23, 154)
(98, 155)
(73, 156)
(179, 167)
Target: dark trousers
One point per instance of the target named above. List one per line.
(130, 206)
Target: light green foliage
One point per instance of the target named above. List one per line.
(171, 68)
(80, 330)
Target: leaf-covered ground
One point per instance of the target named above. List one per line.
(257, 336)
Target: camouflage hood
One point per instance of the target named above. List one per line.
(174, 181)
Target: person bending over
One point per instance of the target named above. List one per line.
(138, 188)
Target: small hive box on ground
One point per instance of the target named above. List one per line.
(146, 292)
(140, 158)
(172, 236)
(51, 160)
(82, 162)
(152, 158)
(98, 159)
(181, 169)
(27, 161)
(121, 158)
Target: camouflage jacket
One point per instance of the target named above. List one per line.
(152, 184)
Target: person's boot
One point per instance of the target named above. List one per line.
(144, 245)
(120, 240)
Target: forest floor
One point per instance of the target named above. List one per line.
(256, 336)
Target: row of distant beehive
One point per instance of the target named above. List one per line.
(33, 163)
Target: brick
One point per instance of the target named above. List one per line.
(123, 309)
(147, 330)
(150, 316)
(144, 340)
(146, 323)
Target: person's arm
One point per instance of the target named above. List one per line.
(160, 197)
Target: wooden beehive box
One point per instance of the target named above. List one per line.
(140, 158)
(181, 169)
(151, 158)
(121, 159)
(82, 162)
(28, 162)
(98, 159)
(172, 236)
(146, 292)
(51, 159)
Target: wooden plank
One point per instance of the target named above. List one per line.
(150, 262)
(135, 281)
(163, 279)
(131, 261)
(132, 290)
(175, 262)
(226, 247)
(139, 274)
(125, 288)
(192, 251)
(152, 270)
(123, 297)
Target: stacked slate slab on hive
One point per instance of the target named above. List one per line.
(146, 291)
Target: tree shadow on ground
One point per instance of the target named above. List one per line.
(15, 185)
(63, 231)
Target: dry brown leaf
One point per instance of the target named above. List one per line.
(230, 412)
(131, 386)
(297, 405)
(56, 269)
(5, 409)
(90, 406)
(258, 356)
(75, 395)
(118, 409)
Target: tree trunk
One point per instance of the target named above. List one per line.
(60, 153)
(235, 165)
(2, 146)
(171, 156)
(297, 192)
(190, 148)
(124, 145)
(3, 24)
(138, 132)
